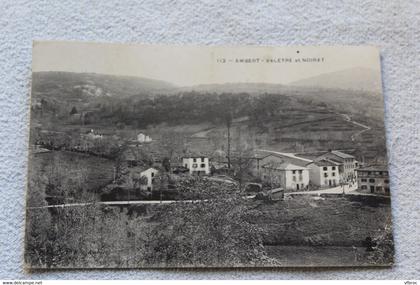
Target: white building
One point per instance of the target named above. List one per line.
(324, 173)
(93, 135)
(373, 179)
(285, 175)
(197, 165)
(142, 138)
(149, 173)
(137, 174)
(347, 167)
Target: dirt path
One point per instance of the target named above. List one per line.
(348, 119)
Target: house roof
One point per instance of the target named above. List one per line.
(141, 169)
(379, 167)
(325, 162)
(283, 166)
(341, 154)
(338, 162)
(311, 155)
(195, 156)
(286, 154)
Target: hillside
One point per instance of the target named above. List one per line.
(78, 85)
(281, 117)
(357, 79)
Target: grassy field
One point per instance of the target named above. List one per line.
(332, 221)
(326, 231)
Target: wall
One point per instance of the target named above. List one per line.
(390, 25)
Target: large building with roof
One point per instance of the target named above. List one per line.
(347, 163)
(285, 175)
(196, 165)
(373, 179)
(324, 173)
(326, 168)
(142, 177)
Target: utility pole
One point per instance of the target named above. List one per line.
(228, 148)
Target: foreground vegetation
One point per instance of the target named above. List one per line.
(224, 231)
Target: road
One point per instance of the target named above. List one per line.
(348, 119)
(110, 203)
(335, 190)
(117, 203)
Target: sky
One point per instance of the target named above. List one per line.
(194, 65)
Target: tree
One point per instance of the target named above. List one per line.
(243, 157)
(211, 232)
(73, 111)
(166, 163)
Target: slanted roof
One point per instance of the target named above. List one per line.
(286, 154)
(194, 156)
(283, 166)
(338, 162)
(341, 154)
(311, 155)
(378, 167)
(325, 162)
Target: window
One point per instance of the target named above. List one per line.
(372, 180)
(386, 181)
(186, 165)
(194, 159)
(294, 171)
(300, 171)
(203, 165)
(325, 174)
(364, 187)
(294, 178)
(333, 168)
(333, 174)
(194, 165)
(325, 168)
(202, 159)
(153, 175)
(364, 180)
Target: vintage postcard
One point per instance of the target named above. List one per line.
(148, 156)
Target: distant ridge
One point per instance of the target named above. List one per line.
(97, 84)
(358, 79)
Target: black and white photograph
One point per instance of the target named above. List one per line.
(180, 156)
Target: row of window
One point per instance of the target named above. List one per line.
(326, 168)
(372, 180)
(195, 165)
(195, 159)
(300, 178)
(326, 174)
(377, 189)
(294, 171)
(379, 173)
